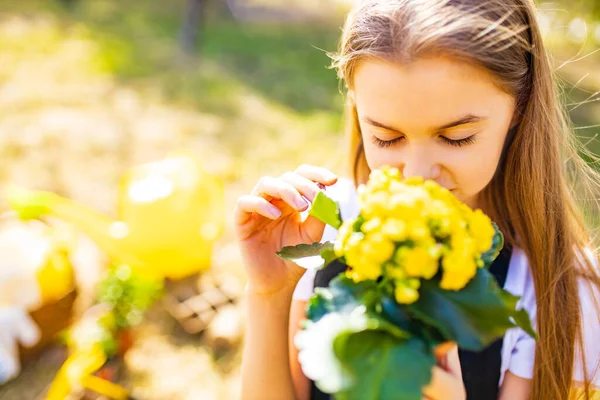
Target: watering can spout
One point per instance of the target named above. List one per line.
(109, 235)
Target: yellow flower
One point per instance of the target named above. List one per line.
(405, 294)
(398, 187)
(418, 230)
(355, 276)
(393, 173)
(395, 229)
(378, 180)
(412, 228)
(457, 270)
(371, 225)
(482, 231)
(338, 248)
(417, 262)
(404, 203)
(439, 209)
(353, 255)
(364, 271)
(414, 181)
(413, 283)
(355, 239)
(394, 271)
(377, 248)
(343, 235)
(375, 205)
(461, 242)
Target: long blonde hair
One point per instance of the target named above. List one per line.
(530, 197)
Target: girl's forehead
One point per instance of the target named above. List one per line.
(431, 88)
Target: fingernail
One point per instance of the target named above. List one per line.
(274, 211)
(301, 202)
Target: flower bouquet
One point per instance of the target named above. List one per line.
(417, 276)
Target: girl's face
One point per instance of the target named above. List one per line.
(437, 118)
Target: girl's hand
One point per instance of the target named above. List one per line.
(17, 327)
(446, 382)
(269, 218)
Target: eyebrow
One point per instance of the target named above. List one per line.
(467, 119)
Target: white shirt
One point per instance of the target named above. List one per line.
(518, 348)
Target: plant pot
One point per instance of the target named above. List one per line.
(51, 318)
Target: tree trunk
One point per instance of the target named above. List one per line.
(191, 25)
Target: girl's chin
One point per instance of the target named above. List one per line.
(470, 201)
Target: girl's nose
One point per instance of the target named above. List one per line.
(421, 167)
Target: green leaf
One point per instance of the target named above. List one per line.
(497, 244)
(345, 291)
(372, 353)
(319, 304)
(326, 210)
(473, 317)
(342, 295)
(384, 367)
(397, 314)
(322, 340)
(292, 253)
(311, 256)
(328, 254)
(345, 296)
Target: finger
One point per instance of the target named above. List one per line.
(248, 204)
(447, 358)
(314, 228)
(278, 189)
(27, 332)
(444, 386)
(441, 349)
(317, 174)
(453, 363)
(306, 187)
(9, 363)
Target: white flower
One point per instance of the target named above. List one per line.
(316, 355)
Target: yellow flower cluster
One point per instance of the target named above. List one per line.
(407, 230)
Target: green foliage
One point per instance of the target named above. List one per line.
(379, 338)
(302, 251)
(326, 210)
(387, 367)
(474, 316)
(129, 295)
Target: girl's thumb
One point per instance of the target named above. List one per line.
(313, 228)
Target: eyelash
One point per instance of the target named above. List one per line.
(456, 143)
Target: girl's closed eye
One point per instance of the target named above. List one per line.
(452, 142)
(459, 142)
(387, 143)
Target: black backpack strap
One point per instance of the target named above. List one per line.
(481, 370)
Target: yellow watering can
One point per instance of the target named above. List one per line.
(170, 213)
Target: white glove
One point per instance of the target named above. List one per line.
(16, 326)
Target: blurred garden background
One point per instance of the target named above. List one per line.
(90, 88)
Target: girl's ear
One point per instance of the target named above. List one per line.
(351, 98)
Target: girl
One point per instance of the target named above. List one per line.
(461, 92)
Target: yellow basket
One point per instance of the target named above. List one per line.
(51, 318)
